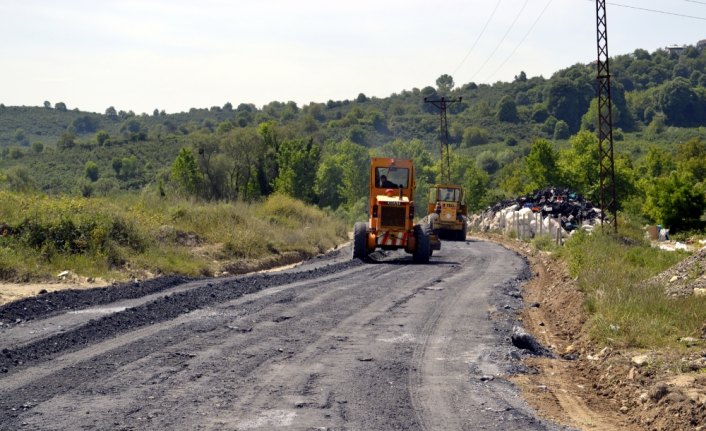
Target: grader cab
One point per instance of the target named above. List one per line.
(391, 213)
(448, 215)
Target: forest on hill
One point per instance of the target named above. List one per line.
(507, 139)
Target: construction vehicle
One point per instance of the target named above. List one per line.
(448, 215)
(391, 213)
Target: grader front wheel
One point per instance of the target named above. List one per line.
(423, 251)
(360, 235)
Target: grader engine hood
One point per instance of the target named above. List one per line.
(393, 211)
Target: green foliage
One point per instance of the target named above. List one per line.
(476, 186)
(238, 155)
(507, 110)
(102, 137)
(19, 179)
(67, 141)
(298, 161)
(691, 157)
(91, 170)
(541, 166)
(676, 201)
(561, 130)
(567, 100)
(579, 165)
(351, 162)
(680, 103)
(185, 171)
(473, 136)
(444, 84)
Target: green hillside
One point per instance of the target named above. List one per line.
(507, 138)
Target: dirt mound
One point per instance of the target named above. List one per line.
(684, 277)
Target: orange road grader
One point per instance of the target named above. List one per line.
(391, 213)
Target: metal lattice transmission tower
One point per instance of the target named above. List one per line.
(443, 135)
(609, 203)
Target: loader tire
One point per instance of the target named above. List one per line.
(461, 235)
(360, 236)
(423, 251)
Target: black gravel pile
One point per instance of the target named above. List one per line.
(48, 304)
(162, 309)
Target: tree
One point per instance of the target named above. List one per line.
(91, 171)
(657, 163)
(568, 101)
(676, 201)
(444, 84)
(67, 141)
(473, 136)
(185, 171)
(85, 124)
(134, 130)
(487, 161)
(680, 103)
(21, 137)
(541, 166)
(507, 110)
(20, 180)
(102, 137)
(111, 113)
(298, 162)
(362, 98)
(477, 181)
(129, 167)
(691, 157)
(561, 130)
(47, 104)
(579, 165)
(37, 147)
(326, 187)
(60, 106)
(241, 148)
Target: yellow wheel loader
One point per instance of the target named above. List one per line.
(447, 214)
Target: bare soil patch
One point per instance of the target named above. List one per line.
(596, 388)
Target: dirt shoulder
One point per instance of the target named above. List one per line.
(596, 388)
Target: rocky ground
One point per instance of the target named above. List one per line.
(591, 387)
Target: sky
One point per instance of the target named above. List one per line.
(174, 55)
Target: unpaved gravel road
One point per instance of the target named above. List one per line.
(331, 344)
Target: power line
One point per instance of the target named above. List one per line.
(519, 13)
(521, 41)
(694, 1)
(663, 12)
(478, 38)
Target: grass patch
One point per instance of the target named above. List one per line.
(625, 311)
(111, 237)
